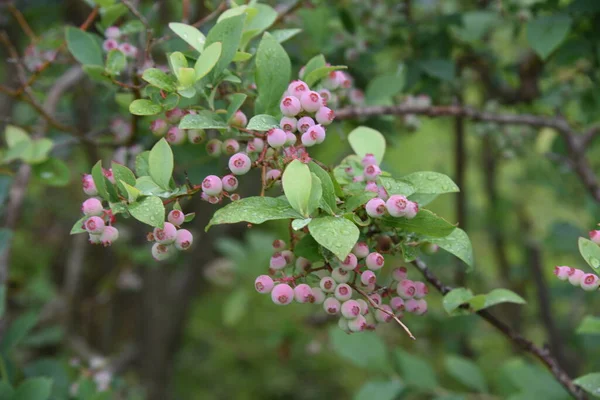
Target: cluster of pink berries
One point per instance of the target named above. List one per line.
(170, 237)
(112, 35)
(347, 288)
(98, 222)
(577, 277)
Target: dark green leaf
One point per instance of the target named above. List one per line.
(142, 167)
(455, 298)
(33, 389)
(17, 330)
(457, 243)
(379, 390)
(416, 371)
(115, 62)
(546, 33)
(100, 181)
(160, 79)
(590, 383)
(431, 182)
(53, 172)
(440, 69)
(308, 248)
(382, 88)
(426, 223)
(281, 35)
(589, 326)
(364, 349)
(393, 186)
(327, 185)
(273, 71)
(466, 372)
(235, 307)
(237, 99)
(229, 33)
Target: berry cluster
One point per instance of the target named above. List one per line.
(577, 277)
(338, 89)
(347, 288)
(170, 237)
(98, 221)
(113, 34)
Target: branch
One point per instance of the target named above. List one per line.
(542, 354)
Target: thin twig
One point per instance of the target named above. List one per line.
(22, 22)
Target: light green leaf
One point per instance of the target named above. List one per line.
(546, 33)
(336, 234)
(207, 60)
(416, 371)
(78, 226)
(100, 181)
(14, 135)
(364, 349)
(273, 71)
(203, 120)
(111, 14)
(355, 201)
(431, 182)
(38, 151)
(122, 173)
(132, 192)
(33, 389)
(131, 27)
(589, 326)
(17, 330)
(149, 210)
(327, 186)
(590, 252)
(298, 224)
(2, 294)
(320, 73)
(440, 69)
(237, 99)
(590, 383)
(364, 140)
(229, 33)
(115, 62)
(426, 223)
(466, 372)
(262, 122)
(297, 183)
(241, 56)
(160, 163)
(393, 186)
(314, 63)
(148, 187)
(281, 35)
(257, 22)
(235, 307)
(142, 167)
(186, 77)
(494, 297)
(457, 243)
(144, 107)
(177, 61)
(454, 299)
(83, 46)
(53, 172)
(382, 88)
(160, 79)
(190, 34)
(316, 194)
(379, 390)
(254, 210)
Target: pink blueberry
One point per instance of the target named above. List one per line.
(318, 295)
(376, 298)
(357, 324)
(421, 290)
(161, 252)
(231, 146)
(112, 32)
(325, 116)
(308, 140)
(288, 124)
(375, 208)
(349, 263)
(282, 294)
(317, 132)
(92, 206)
(343, 292)
(357, 97)
(333, 80)
(94, 225)
(397, 303)
(325, 95)
(418, 307)
(174, 116)
(291, 139)
(327, 284)
(350, 309)
(595, 236)
(264, 284)
(234, 197)
(273, 175)
(297, 88)
(95, 239)
(176, 217)
(278, 261)
(276, 137)
(358, 178)
(255, 146)
(159, 127)
(302, 264)
(406, 289)
(384, 314)
(371, 172)
(303, 294)
(412, 210)
(368, 277)
(375, 261)
(110, 44)
(109, 235)
(213, 147)
(230, 183)
(364, 306)
(360, 249)
(372, 187)
(129, 50)
(89, 187)
(311, 101)
(289, 256)
(589, 282)
(332, 306)
(562, 273)
(340, 275)
(240, 164)
(212, 185)
(290, 106)
(304, 123)
(575, 276)
(279, 245)
(239, 119)
(176, 135)
(382, 193)
(399, 274)
(369, 159)
(397, 205)
(184, 239)
(166, 234)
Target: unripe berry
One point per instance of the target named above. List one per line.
(368, 277)
(418, 307)
(311, 101)
(406, 289)
(383, 316)
(94, 225)
(174, 116)
(282, 294)
(110, 44)
(290, 106)
(239, 119)
(288, 124)
(255, 146)
(357, 324)
(360, 249)
(289, 256)
(302, 264)
(595, 236)
(290, 138)
(399, 274)
(317, 132)
(358, 178)
(212, 185)
(109, 235)
(372, 187)
(350, 309)
(229, 182)
(376, 298)
(412, 210)
(325, 96)
(369, 159)
(340, 275)
(239, 164)
(166, 235)
(176, 217)
(276, 137)
(429, 248)
(112, 32)
(357, 97)
(231, 146)
(364, 306)
(303, 293)
(304, 123)
(89, 187)
(397, 205)
(421, 290)
(278, 261)
(279, 245)
(589, 282)
(343, 325)
(562, 273)
(159, 127)
(382, 193)
(264, 284)
(325, 116)
(349, 263)
(327, 284)
(332, 306)
(234, 197)
(375, 261)
(161, 252)
(308, 140)
(176, 135)
(333, 80)
(318, 295)
(273, 175)
(371, 172)
(213, 147)
(375, 208)
(575, 276)
(397, 303)
(92, 206)
(297, 88)
(184, 239)
(343, 292)
(95, 239)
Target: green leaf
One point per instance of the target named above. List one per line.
(384, 87)
(190, 34)
(258, 23)
(355, 201)
(122, 173)
(236, 101)
(149, 210)
(148, 187)
(416, 371)
(281, 35)
(160, 79)
(186, 77)
(440, 69)
(235, 307)
(83, 46)
(273, 71)
(142, 164)
(2, 298)
(115, 62)
(308, 248)
(160, 163)
(327, 185)
(177, 61)
(546, 33)
(241, 56)
(393, 186)
(297, 183)
(336, 234)
(169, 102)
(454, 299)
(317, 61)
(33, 389)
(207, 60)
(97, 73)
(589, 326)
(254, 210)
(229, 33)
(431, 182)
(298, 224)
(131, 27)
(316, 194)
(494, 297)
(379, 390)
(466, 372)
(590, 383)
(100, 181)
(426, 223)
(364, 140)
(77, 226)
(144, 107)
(38, 151)
(457, 243)
(14, 135)
(364, 349)
(6, 390)
(17, 330)
(5, 238)
(590, 252)
(53, 172)
(262, 122)
(111, 14)
(203, 120)
(132, 192)
(320, 73)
